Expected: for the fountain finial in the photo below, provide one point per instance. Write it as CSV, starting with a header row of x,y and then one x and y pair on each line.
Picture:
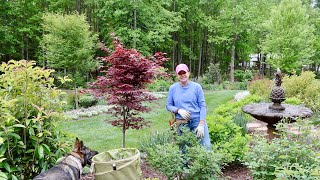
x,y
277,94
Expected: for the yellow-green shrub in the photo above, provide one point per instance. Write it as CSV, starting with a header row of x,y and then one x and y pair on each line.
x,y
261,87
295,86
304,87
312,95
293,100
225,134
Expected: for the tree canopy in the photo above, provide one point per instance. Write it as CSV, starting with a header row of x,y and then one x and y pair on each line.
x,y
198,33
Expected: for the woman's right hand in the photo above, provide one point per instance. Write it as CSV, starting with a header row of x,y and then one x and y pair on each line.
x,y
184,114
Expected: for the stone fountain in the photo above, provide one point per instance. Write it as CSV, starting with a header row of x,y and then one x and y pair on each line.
x,y
272,113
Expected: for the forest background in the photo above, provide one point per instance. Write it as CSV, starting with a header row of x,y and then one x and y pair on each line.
x,y
225,33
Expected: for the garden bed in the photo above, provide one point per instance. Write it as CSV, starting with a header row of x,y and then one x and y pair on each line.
x,y
231,172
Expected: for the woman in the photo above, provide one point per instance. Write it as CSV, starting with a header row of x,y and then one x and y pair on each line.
x,y
186,100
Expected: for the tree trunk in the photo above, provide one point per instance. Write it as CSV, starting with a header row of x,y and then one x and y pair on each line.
x,y
200,55
232,60
27,49
123,136
124,127
76,96
22,47
134,23
190,49
174,40
43,60
79,6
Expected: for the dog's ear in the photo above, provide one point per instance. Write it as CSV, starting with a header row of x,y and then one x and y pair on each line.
x,y
77,142
77,146
81,144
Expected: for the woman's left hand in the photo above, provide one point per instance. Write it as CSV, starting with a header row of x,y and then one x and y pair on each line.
x,y
200,131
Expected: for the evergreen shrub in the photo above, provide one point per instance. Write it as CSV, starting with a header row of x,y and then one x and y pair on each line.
x,y
213,74
30,141
87,100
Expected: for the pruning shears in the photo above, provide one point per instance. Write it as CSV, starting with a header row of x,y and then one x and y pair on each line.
x,y
172,121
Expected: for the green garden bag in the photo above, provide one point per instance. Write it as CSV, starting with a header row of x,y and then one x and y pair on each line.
x,y
121,163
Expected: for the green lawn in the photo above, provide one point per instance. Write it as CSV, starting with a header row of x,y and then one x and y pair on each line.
x,y
100,135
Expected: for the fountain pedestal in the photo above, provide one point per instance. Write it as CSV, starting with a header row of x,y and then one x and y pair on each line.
x,y
262,112
272,113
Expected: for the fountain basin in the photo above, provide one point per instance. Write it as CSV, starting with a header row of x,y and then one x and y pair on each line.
x,y
262,112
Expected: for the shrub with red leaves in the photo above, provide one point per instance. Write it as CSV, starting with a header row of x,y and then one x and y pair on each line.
x,y
127,73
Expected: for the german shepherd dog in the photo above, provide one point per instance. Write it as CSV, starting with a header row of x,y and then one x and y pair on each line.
x,y
70,167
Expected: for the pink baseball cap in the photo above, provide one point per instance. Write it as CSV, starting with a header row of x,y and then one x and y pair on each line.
x,y
182,67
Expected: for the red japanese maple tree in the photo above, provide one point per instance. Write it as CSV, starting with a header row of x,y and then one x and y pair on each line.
x,y
127,73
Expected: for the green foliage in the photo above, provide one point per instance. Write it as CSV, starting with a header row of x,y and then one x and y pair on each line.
x,y
195,162
241,120
230,108
227,137
159,85
167,158
293,100
68,99
212,87
291,156
289,40
69,45
296,85
20,29
202,164
203,80
87,100
227,85
261,87
227,132
153,27
214,74
155,138
304,87
243,75
30,106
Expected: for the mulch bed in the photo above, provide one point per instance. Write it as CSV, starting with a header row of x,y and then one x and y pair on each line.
x,y
231,172
236,172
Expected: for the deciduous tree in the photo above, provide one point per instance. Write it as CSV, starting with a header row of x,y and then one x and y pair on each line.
x,y
126,75
290,38
69,46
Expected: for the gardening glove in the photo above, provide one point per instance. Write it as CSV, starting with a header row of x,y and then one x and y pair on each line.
x,y
200,130
184,114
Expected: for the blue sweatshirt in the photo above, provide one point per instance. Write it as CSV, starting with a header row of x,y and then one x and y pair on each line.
x,y
190,98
